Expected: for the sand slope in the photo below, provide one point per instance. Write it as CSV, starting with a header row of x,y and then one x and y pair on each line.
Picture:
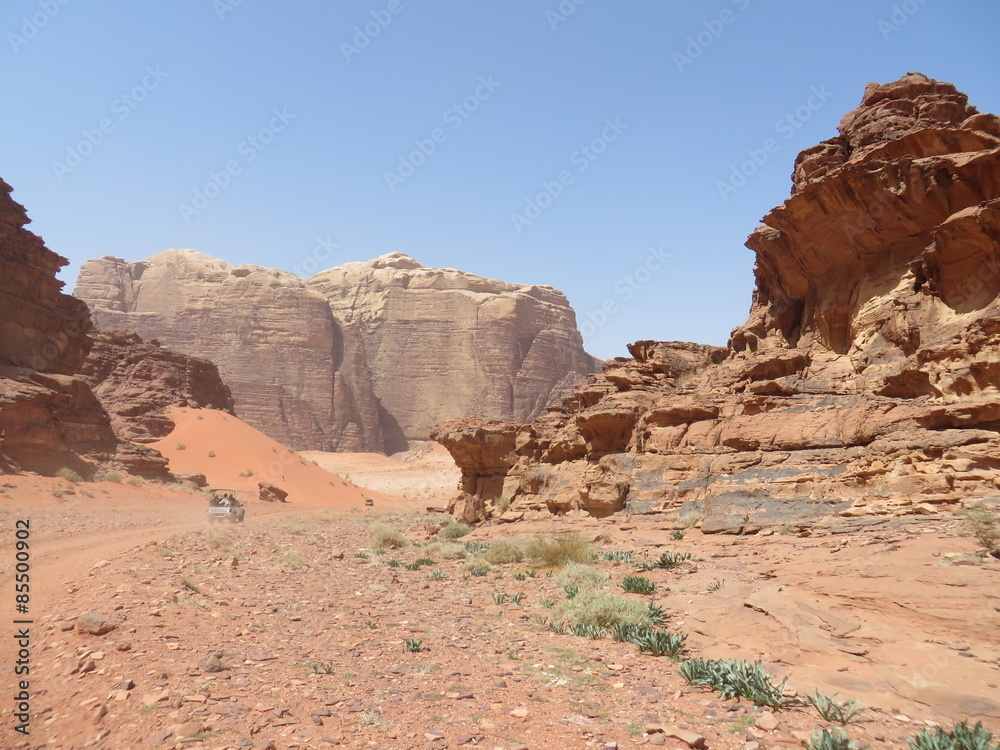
x,y
233,454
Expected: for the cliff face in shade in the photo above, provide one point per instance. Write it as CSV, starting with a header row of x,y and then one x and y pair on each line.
x,y
138,380
361,357
865,380
49,417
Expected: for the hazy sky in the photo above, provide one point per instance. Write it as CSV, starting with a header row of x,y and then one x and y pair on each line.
x,y
585,144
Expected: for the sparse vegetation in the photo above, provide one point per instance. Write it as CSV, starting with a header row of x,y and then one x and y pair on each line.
x,y
559,551
500,598
436,575
454,530
716,585
68,473
735,679
830,739
191,585
691,518
623,556
983,523
677,534
211,454
246,473
134,481
414,645
658,642
504,552
831,710
293,559
446,551
181,447
108,476
961,737
667,561
323,667
638,585
579,576
595,607
386,537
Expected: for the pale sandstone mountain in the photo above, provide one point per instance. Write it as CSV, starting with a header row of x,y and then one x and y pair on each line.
x,y
866,380
365,356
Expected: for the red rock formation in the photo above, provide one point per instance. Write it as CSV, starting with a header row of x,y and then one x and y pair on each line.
x,y
138,380
49,417
866,378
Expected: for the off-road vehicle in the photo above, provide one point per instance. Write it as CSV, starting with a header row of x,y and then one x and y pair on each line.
x,y
223,506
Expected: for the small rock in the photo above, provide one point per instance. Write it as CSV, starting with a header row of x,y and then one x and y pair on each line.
x,y
751,745
87,665
190,727
212,664
96,623
123,684
656,739
520,712
337,554
433,736
767,721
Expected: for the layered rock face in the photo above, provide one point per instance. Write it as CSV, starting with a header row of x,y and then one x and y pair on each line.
x,y
49,417
138,380
865,380
363,357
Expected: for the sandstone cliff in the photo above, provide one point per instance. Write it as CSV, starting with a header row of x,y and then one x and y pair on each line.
x,y
865,380
138,380
49,417
365,356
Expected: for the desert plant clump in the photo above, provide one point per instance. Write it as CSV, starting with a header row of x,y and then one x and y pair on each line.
x,y
68,473
735,679
454,530
618,555
657,614
436,575
446,551
961,737
475,548
585,630
580,576
667,561
559,551
108,476
414,645
638,585
833,711
831,739
504,552
386,537
602,608
691,518
983,523
659,642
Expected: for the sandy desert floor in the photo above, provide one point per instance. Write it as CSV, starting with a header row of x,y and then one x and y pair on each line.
x,y
291,630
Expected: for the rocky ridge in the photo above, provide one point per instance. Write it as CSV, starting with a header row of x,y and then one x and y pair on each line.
x,y
49,417
865,380
138,380
362,357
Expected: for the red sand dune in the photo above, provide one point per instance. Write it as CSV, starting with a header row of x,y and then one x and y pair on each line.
x,y
231,453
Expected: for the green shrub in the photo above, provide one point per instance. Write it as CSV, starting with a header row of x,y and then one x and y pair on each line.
x,y
580,576
830,739
638,585
588,631
386,537
503,552
735,679
475,548
436,575
595,607
558,551
667,561
831,710
961,737
658,642
454,530
67,473
108,476
618,555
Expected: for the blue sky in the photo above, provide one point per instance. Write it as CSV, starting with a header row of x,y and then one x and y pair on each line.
x,y
579,143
